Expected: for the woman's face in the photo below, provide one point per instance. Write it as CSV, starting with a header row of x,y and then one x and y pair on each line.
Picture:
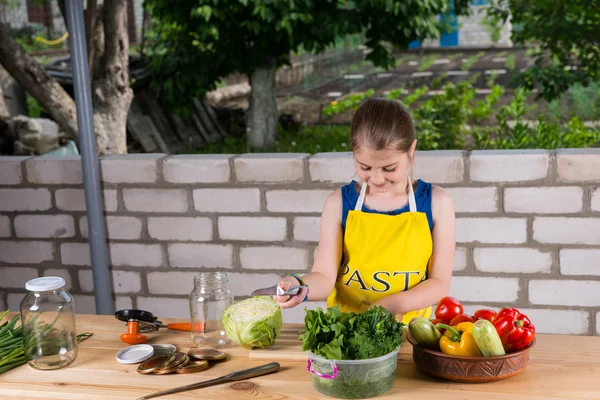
x,y
383,170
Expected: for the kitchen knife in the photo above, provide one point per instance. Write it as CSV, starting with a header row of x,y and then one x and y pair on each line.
x,y
277,291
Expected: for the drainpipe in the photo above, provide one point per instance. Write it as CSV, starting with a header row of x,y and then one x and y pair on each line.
x,y
89,159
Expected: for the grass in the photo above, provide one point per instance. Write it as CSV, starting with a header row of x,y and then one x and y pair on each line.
x,y
472,60
427,62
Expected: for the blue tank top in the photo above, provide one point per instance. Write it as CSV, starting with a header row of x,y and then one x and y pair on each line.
x,y
422,198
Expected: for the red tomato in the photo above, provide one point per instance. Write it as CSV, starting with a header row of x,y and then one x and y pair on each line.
x,y
438,321
461,318
485,313
448,308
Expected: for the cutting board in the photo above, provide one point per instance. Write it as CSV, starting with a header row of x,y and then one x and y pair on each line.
x,y
287,347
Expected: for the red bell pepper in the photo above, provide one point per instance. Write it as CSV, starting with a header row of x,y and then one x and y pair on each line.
x,y
515,329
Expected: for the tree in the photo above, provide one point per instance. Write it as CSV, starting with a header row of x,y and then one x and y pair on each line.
x,y
196,43
111,93
567,35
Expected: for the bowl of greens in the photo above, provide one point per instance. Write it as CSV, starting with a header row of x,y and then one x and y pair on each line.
x,y
352,355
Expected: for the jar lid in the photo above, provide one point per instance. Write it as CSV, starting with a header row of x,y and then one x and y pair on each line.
x,y
44,284
135,354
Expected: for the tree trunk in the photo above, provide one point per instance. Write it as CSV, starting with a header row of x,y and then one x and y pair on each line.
x,y
4,114
112,94
37,82
262,118
89,17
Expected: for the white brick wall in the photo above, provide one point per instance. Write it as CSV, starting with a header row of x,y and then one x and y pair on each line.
x,y
140,168
543,200
496,290
508,166
54,170
75,254
584,262
274,258
25,252
512,260
198,229
596,200
566,230
155,200
296,201
491,230
473,200
439,167
74,199
307,228
44,226
460,259
213,168
578,166
332,167
123,281
565,292
166,307
25,199
252,228
11,170
270,168
136,255
227,200
191,255
4,226
127,228
16,277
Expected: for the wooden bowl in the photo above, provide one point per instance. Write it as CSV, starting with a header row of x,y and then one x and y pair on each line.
x,y
469,369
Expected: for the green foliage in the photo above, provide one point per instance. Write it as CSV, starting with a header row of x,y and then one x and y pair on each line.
x,y
511,62
493,25
350,102
472,60
427,62
566,33
338,335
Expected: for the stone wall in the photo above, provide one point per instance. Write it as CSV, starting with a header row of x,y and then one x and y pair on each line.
x,y
528,226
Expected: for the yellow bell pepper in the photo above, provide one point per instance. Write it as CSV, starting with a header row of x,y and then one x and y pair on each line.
x,y
458,340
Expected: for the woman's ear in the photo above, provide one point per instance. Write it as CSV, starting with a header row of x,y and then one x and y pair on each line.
x,y
413,147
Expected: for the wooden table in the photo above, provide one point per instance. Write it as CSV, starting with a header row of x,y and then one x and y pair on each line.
x,y
560,367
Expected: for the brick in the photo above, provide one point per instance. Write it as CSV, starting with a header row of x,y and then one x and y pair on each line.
x,y
509,165
117,227
296,201
332,167
191,255
596,200
439,166
141,168
242,284
585,262
75,254
252,228
460,259
123,281
543,200
4,226
274,258
485,289
512,260
491,230
25,199
572,230
473,200
270,168
296,315
84,304
123,302
209,168
155,200
181,228
136,255
562,322
565,292
3,305
582,165
44,226
227,200
307,228
11,170
54,170
13,301
166,307
16,277
63,273
74,199
173,282
25,252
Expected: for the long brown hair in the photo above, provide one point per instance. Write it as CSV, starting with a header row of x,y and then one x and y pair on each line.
x,y
382,124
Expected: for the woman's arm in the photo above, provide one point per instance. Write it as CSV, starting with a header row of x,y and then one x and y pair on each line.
x,y
325,268
436,286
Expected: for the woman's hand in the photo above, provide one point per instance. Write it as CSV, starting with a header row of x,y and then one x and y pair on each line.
x,y
290,301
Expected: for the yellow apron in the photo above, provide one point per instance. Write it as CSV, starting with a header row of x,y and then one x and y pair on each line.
x,y
383,254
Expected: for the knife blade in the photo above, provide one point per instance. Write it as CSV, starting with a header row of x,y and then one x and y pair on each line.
x,y
277,291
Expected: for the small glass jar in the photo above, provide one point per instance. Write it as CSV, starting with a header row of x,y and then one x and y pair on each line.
x,y
209,298
48,318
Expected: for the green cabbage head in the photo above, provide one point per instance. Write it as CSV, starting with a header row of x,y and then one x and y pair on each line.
x,y
254,322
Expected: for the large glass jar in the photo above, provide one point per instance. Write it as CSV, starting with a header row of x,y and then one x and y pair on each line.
x,y
209,298
48,318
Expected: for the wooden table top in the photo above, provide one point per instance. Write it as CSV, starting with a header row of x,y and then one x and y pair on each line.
x,y
560,367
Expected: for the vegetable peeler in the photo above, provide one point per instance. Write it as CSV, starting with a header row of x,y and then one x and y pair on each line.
x,y
277,291
140,321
